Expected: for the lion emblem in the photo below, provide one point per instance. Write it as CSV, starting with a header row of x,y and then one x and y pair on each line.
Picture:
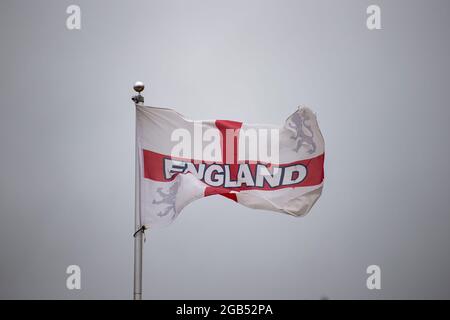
x,y
304,135
168,198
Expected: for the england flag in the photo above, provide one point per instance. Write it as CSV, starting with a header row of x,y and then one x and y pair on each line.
x,y
276,168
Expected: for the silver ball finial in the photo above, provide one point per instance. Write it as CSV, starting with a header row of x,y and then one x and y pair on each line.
x,y
139,86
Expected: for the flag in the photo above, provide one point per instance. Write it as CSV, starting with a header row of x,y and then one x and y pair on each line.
x,y
269,167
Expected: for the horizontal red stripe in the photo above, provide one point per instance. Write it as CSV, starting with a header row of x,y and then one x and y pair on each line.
x,y
153,165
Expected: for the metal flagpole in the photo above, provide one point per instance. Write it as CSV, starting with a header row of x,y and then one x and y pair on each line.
x,y
138,236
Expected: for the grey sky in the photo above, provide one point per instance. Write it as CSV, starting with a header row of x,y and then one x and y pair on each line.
x,y
67,130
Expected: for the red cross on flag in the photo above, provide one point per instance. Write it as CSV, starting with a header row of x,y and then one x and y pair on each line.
x,y
276,168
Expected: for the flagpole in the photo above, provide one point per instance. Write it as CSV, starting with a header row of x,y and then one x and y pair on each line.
x,y
138,236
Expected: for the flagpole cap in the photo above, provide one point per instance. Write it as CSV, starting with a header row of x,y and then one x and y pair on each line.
x,y
138,86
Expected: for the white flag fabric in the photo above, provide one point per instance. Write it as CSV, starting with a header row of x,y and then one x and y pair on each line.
x,y
276,168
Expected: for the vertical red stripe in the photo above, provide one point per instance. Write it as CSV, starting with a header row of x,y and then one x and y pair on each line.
x,y
229,140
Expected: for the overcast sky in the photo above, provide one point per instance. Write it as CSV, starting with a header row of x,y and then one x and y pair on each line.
x,y
67,146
